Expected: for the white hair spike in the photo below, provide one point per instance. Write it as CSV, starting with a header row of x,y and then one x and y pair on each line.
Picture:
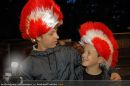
x,y
88,37
46,15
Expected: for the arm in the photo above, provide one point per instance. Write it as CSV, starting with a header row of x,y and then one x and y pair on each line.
x,y
77,66
114,75
113,72
25,69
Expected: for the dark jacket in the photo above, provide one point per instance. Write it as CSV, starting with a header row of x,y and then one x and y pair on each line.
x,y
59,63
104,75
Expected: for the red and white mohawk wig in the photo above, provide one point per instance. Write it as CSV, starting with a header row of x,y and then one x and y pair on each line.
x,y
101,37
38,17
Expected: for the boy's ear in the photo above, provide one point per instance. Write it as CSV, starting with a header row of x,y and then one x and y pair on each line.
x,y
101,60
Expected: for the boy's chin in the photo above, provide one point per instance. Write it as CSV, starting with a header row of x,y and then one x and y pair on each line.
x,y
83,64
53,46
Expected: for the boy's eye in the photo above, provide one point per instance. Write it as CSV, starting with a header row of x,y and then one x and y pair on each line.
x,y
51,34
56,28
89,52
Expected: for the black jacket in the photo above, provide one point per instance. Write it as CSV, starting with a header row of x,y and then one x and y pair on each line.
x,y
105,75
59,63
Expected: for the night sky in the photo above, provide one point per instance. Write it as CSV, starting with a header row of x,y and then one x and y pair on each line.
x,y
114,13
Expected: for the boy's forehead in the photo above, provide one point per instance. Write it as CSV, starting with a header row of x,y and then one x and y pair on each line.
x,y
89,47
51,30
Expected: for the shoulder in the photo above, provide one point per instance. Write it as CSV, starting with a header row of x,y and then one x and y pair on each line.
x,y
28,61
67,49
68,52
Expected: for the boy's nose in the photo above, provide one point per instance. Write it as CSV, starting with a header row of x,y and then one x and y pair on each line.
x,y
57,36
83,55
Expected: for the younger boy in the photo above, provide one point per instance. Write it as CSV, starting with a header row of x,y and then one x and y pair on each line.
x,y
100,49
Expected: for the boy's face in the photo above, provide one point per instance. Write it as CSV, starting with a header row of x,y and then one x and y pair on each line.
x,y
49,39
90,56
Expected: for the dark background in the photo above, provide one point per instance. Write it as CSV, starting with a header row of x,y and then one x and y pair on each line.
x,y
114,13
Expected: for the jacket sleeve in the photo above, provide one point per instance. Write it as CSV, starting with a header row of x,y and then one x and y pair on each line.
x,y
26,69
112,70
78,70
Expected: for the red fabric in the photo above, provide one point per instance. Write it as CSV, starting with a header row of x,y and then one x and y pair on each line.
x,y
101,45
102,48
30,6
37,28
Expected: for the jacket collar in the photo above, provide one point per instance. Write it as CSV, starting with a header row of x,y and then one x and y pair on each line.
x,y
34,52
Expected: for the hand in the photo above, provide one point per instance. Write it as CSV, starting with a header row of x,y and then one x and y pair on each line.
x,y
115,76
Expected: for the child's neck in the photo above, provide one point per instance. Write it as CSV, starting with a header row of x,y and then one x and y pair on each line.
x,y
93,70
41,48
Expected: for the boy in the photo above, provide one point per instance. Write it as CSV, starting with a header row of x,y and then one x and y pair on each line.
x,y
47,61
100,48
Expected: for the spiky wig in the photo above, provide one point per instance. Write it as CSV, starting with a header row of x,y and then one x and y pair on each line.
x,y
38,17
101,37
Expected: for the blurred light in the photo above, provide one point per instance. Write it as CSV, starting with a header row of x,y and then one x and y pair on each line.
x,y
14,64
7,76
129,27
